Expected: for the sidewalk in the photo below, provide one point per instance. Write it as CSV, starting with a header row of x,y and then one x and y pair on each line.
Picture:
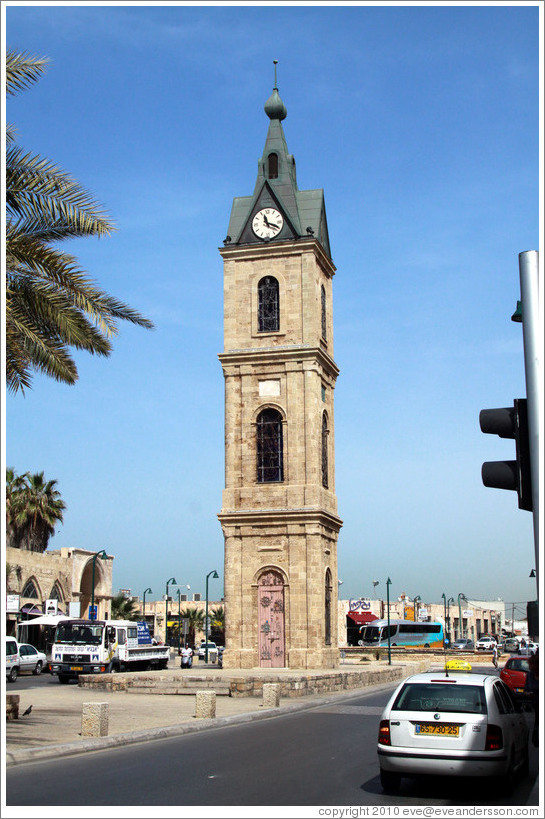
x,y
53,728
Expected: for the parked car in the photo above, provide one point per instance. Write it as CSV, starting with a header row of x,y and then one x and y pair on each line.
x,y
511,645
514,673
31,659
455,725
485,644
212,651
12,659
463,644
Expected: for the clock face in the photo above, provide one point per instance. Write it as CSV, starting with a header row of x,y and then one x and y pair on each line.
x,y
267,223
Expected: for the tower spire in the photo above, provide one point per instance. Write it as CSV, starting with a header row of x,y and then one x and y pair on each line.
x,y
274,107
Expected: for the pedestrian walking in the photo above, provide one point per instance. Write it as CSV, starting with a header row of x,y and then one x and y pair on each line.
x,y
495,654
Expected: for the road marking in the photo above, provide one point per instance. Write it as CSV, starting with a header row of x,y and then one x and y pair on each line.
x,y
369,710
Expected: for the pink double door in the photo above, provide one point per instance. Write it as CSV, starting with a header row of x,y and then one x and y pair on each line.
x,y
270,604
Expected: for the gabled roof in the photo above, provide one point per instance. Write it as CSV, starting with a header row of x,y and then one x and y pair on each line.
x,y
303,211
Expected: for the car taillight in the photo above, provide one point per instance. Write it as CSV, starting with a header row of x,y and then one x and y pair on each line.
x,y
494,738
384,732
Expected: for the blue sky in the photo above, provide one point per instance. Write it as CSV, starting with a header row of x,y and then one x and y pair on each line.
x,y
421,124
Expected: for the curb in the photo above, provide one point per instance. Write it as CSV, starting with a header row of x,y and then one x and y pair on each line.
x,y
13,758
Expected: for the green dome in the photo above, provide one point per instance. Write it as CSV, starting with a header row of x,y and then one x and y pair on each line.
x,y
274,107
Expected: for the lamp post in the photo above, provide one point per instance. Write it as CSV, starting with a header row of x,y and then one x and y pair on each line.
x,y
179,615
214,574
445,610
461,596
414,605
449,601
388,582
171,582
104,556
144,601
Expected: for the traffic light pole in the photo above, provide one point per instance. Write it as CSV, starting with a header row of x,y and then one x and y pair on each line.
x,y
529,292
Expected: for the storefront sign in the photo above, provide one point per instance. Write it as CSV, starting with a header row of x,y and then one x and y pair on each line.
x,y
12,603
51,607
362,604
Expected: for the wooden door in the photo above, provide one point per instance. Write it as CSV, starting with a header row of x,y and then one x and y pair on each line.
x,y
270,605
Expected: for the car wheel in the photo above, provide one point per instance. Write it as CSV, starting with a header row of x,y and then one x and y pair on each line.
x,y
64,679
426,645
390,781
12,676
38,669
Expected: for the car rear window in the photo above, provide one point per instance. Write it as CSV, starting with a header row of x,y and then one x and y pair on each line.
x,y
518,665
468,699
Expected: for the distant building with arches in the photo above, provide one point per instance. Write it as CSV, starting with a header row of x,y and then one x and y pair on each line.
x,y
63,576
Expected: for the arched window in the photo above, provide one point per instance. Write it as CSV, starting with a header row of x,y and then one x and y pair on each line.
x,y
272,171
324,315
270,456
56,593
268,310
325,460
30,590
327,624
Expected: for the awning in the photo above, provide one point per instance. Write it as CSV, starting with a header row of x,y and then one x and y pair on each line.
x,y
45,620
31,608
361,617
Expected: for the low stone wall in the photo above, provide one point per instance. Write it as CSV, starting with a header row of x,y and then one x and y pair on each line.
x,y
12,706
292,684
333,682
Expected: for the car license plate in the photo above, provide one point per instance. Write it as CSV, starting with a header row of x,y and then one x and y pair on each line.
x,y
427,728
76,668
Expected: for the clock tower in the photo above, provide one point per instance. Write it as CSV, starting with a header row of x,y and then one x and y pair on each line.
x,y
279,510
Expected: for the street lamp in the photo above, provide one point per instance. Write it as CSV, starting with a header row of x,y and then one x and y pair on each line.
x,y
171,582
179,615
461,596
388,582
144,602
214,575
414,605
104,556
449,601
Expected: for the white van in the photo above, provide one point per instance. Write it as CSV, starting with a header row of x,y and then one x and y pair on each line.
x,y
13,661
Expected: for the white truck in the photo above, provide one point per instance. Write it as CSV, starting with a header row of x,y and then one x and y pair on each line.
x,y
104,646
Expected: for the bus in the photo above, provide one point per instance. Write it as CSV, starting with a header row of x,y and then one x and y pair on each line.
x,y
402,633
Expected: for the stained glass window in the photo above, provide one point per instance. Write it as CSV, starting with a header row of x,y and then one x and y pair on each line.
x,y
268,317
270,456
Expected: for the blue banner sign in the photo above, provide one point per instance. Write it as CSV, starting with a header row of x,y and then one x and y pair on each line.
x,y
144,637
93,612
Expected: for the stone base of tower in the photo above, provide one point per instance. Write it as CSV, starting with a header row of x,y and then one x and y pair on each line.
x,y
296,659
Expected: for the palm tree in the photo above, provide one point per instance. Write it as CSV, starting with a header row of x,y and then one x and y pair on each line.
x,y
33,510
124,608
196,622
51,304
217,624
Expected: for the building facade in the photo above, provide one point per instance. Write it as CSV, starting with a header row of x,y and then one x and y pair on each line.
x,y
279,509
64,576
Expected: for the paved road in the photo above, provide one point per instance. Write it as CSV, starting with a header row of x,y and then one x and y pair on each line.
x,y
324,756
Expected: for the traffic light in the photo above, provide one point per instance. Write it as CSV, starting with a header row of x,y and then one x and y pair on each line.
x,y
509,422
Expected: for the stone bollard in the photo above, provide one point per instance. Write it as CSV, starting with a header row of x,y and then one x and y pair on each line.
x,y
205,705
12,706
94,719
271,695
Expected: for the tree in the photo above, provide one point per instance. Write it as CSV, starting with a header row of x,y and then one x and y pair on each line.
x,y
217,624
51,305
33,508
124,608
196,622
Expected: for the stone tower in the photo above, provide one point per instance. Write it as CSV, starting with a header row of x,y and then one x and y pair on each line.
x,y
279,511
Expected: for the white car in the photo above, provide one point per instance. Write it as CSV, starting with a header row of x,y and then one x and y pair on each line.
x,y
30,659
453,725
12,659
212,651
485,644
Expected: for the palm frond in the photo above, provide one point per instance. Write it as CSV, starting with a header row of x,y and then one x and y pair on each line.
x,y
22,70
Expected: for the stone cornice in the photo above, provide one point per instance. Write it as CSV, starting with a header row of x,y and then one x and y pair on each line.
x,y
279,354
268,250
264,517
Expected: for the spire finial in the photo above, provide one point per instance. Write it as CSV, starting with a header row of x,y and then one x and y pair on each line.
x,y
274,107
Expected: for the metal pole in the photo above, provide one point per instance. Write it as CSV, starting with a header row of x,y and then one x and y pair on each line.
x,y
214,574
529,292
388,602
179,622
169,582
